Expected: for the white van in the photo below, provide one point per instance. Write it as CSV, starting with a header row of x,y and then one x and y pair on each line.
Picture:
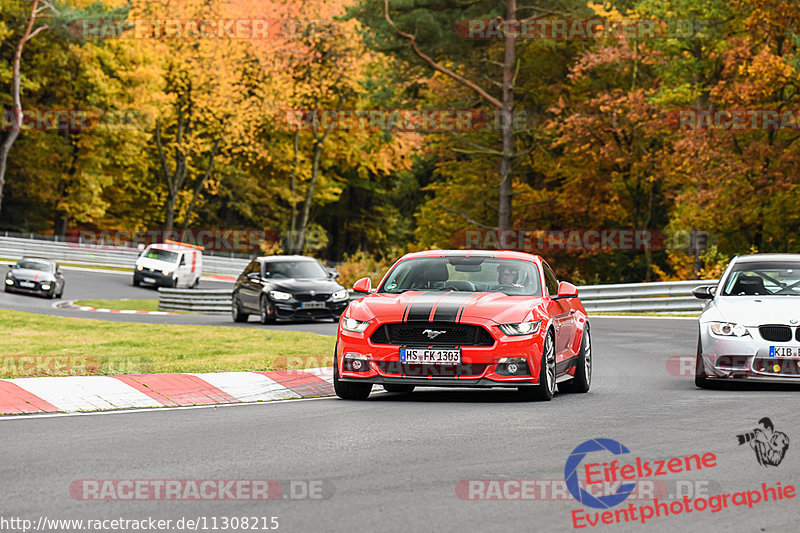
x,y
169,264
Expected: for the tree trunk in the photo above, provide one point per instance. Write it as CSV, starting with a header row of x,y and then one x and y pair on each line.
x,y
504,213
301,237
14,133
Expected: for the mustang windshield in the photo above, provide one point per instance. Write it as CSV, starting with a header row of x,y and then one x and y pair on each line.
x,y
763,279
474,274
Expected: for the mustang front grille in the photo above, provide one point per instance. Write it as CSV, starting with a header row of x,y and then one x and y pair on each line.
x,y
432,334
776,333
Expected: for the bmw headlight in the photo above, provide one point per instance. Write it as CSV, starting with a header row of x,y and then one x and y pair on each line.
x,y
728,329
278,295
339,295
356,326
523,328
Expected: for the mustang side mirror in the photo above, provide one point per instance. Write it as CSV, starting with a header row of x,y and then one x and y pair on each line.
x,y
706,292
566,290
363,285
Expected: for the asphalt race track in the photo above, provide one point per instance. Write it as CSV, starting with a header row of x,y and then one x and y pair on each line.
x,y
394,462
88,284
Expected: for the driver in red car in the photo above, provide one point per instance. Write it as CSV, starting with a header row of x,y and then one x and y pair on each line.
x,y
508,275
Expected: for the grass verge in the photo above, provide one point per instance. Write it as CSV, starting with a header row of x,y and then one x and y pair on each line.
x,y
121,305
40,345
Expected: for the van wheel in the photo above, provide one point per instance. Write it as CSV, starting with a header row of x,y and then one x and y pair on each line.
x,y
136,281
196,282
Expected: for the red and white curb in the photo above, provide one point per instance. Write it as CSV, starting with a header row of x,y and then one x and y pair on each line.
x,y
70,305
100,393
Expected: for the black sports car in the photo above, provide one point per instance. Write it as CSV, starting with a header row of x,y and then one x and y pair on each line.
x,y
287,287
33,275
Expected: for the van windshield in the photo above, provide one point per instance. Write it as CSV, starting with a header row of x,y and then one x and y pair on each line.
x,y
161,255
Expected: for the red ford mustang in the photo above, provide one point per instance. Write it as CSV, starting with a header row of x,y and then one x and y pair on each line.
x,y
465,318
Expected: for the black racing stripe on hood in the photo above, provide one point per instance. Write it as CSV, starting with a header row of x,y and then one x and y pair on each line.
x,y
449,306
407,310
421,307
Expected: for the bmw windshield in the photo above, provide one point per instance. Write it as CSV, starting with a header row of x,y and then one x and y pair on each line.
x,y
767,278
474,274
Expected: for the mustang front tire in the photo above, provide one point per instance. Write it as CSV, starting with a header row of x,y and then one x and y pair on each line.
x,y
546,387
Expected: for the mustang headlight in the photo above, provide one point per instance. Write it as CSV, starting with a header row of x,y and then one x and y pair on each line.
x,y
339,295
728,329
278,295
356,326
523,328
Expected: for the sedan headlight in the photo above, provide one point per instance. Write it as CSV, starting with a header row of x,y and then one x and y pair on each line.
x,y
356,326
339,295
523,328
728,329
278,295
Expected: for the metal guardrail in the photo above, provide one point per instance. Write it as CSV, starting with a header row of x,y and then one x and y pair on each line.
x,y
670,296
667,296
206,301
90,254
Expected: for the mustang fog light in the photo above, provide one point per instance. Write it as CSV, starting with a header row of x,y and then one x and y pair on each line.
x,y
45,287
728,329
355,362
9,281
513,366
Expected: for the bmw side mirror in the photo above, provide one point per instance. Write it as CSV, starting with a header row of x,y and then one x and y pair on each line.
x,y
706,292
363,285
566,290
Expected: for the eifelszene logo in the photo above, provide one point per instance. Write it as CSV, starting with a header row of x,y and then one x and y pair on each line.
x,y
770,445
571,474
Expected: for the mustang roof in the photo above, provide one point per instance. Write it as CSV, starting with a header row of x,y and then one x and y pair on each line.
x,y
499,254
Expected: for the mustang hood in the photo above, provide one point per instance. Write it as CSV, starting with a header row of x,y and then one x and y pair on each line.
x,y
755,310
31,275
439,306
